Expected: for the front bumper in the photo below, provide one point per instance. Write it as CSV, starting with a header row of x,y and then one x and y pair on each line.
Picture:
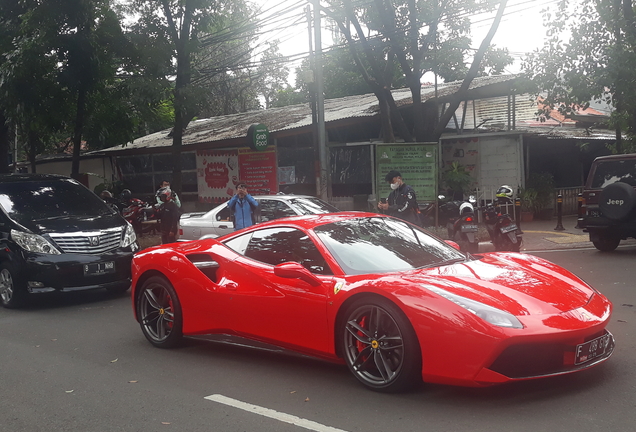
x,y
67,272
479,356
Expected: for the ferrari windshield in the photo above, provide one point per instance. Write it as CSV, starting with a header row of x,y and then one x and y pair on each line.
x,y
380,245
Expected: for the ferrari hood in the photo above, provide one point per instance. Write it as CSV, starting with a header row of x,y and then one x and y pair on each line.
x,y
519,284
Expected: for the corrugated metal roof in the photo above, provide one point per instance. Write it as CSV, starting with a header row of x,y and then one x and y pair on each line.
x,y
298,116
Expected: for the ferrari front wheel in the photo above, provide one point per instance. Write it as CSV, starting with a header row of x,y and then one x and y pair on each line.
x,y
379,346
159,313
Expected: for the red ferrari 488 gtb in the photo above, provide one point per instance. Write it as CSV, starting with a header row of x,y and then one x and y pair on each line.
x,y
393,302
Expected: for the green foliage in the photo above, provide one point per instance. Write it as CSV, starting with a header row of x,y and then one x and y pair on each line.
x,y
590,54
539,192
528,198
457,179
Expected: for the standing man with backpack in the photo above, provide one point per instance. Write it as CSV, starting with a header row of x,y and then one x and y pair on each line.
x,y
243,206
402,202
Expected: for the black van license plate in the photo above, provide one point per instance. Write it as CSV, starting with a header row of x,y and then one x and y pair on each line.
x,y
99,268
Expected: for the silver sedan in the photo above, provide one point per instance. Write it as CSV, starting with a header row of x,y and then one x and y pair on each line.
x,y
218,221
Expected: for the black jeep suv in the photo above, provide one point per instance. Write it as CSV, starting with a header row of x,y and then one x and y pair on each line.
x,y
608,212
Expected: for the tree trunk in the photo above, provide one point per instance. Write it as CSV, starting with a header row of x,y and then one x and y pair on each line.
x,y
77,135
472,74
181,115
5,145
32,152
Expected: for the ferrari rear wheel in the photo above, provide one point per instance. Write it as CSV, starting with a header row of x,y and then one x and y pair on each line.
x,y
159,312
380,346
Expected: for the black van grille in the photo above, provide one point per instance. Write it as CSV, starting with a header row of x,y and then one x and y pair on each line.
x,y
89,242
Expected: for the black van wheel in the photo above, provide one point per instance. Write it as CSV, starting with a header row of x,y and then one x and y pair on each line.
x,y
12,293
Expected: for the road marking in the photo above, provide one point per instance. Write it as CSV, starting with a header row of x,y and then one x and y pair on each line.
x,y
266,412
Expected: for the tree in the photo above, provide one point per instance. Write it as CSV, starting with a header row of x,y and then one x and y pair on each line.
x,y
193,28
590,54
61,59
341,75
271,74
419,36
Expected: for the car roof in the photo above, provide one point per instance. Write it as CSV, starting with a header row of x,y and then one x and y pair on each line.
x,y
616,157
23,177
283,196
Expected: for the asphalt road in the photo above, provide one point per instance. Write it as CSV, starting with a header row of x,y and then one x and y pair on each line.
x,y
80,363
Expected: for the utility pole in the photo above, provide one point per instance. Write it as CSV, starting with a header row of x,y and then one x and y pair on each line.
x,y
310,79
320,106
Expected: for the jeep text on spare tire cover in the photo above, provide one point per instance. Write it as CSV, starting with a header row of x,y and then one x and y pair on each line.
x,y
618,201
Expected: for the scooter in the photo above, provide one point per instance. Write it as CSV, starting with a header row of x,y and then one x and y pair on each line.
x,y
463,228
504,233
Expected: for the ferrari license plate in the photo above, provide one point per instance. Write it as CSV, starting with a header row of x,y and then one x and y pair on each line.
x,y
99,268
592,349
508,228
469,228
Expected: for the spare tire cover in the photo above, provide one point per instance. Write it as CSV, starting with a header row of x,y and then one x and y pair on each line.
x,y
617,201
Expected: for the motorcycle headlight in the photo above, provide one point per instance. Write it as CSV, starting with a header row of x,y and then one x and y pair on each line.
x,y
33,243
129,237
487,313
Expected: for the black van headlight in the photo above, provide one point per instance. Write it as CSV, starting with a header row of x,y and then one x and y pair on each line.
x,y
33,243
129,236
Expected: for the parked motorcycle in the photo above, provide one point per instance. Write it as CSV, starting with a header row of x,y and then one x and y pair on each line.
x,y
504,233
462,227
137,212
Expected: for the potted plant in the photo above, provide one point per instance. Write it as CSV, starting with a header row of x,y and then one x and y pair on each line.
x,y
528,198
543,184
457,180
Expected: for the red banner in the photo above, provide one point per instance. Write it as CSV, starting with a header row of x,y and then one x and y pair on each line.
x,y
258,170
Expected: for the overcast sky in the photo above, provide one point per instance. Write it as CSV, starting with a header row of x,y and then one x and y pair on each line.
x,y
521,30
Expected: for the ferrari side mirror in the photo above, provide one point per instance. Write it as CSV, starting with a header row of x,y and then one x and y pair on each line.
x,y
294,270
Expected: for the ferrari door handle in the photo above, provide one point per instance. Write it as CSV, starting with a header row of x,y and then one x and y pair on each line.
x,y
231,286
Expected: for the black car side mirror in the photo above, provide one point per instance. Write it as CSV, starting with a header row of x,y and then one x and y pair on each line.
x,y
294,270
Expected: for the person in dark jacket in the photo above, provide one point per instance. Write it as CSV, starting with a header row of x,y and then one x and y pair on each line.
x,y
401,202
242,205
170,214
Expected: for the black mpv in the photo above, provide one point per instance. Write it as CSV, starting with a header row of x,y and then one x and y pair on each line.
x,y
57,235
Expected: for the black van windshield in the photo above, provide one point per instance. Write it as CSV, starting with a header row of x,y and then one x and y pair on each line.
x,y
47,199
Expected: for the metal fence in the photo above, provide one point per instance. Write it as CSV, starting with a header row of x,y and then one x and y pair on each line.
x,y
570,199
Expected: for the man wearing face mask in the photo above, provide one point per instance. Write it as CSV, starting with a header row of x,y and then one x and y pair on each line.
x,y
401,202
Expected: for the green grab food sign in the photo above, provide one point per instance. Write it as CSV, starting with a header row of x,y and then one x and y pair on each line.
x,y
258,137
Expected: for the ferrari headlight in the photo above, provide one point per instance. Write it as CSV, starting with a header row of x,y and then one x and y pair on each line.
x,y
129,236
33,243
487,313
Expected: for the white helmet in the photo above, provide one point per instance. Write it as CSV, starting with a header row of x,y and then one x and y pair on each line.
x,y
505,191
466,208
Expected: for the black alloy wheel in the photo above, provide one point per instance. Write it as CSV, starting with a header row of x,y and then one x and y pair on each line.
x,y
159,313
12,294
380,346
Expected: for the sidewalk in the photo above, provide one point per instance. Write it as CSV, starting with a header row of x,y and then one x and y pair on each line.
x,y
541,235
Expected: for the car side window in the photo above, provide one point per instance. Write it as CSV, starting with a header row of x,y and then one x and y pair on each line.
x,y
268,207
283,209
239,244
278,245
223,215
